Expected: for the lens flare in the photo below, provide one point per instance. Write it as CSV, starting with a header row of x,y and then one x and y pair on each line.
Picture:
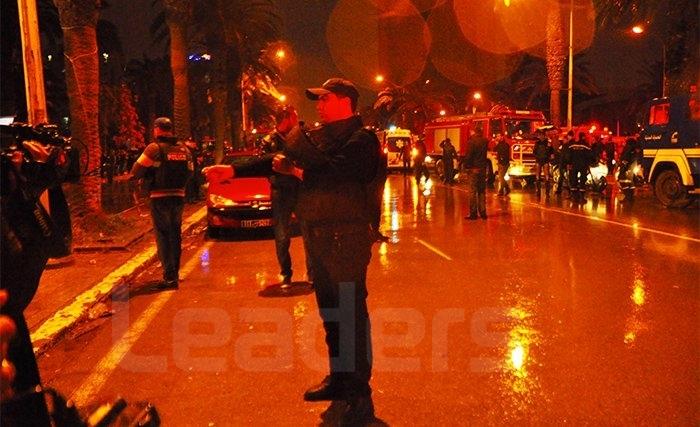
x,y
458,59
369,35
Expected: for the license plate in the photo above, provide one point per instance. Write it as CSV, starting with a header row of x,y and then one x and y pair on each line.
x,y
255,223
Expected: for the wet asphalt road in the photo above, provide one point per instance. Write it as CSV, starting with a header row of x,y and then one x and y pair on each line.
x,y
545,313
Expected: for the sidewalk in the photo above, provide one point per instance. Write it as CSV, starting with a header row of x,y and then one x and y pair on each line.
x,y
99,264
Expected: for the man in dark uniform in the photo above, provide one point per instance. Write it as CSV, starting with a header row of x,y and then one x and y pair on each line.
x,y
170,166
336,167
562,154
579,156
610,155
542,152
503,156
419,168
631,152
448,155
476,163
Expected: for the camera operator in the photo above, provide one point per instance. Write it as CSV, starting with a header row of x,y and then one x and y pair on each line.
x,y
30,236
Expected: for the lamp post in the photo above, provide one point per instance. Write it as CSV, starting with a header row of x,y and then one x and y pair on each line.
x,y
639,29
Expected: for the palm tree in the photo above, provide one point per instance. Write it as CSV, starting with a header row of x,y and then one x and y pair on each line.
x,y
79,23
248,26
555,47
411,106
177,17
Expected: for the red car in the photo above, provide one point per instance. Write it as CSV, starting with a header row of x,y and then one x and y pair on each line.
x,y
239,203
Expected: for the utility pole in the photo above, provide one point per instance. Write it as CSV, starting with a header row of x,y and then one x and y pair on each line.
x,y
33,70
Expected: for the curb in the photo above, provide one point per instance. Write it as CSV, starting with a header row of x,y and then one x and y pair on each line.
x,y
63,320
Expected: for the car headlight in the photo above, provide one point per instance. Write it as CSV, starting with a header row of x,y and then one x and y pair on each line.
x,y
428,159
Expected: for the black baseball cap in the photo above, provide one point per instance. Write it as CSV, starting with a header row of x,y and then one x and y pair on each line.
x,y
163,123
336,85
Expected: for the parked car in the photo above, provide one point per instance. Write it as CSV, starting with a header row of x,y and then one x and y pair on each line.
x,y
239,203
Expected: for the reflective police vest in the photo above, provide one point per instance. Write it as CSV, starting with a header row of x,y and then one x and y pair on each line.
x,y
173,170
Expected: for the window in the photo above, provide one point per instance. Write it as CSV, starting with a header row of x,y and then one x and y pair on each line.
x,y
658,114
495,127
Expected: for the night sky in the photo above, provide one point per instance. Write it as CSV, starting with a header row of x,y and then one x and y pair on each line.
x,y
615,58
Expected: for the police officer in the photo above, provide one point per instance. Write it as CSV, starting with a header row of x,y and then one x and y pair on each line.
x,y
543,152
168,164
579,157
335,167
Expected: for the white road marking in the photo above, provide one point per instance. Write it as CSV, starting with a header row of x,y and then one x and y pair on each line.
x,y
635,227
434,249
65,317
97,379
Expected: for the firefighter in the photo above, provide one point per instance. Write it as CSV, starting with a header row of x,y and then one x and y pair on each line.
x,y
579,158
630,153
503,153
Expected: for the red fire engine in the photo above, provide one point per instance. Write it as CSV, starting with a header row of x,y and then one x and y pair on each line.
x,y
517,126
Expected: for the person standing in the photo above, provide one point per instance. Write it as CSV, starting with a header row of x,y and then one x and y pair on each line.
x,y
169,164
285,190
419,168
503,156
542,152
563,156
336,164
579,156
448,155
610,155
476,163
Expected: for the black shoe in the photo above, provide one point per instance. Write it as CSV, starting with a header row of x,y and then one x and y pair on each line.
x,y
329,389
286,283
483,216
167,284
360,411
471,217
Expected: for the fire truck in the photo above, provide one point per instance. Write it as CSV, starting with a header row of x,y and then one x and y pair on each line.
x,y
671,145
517,126
397,144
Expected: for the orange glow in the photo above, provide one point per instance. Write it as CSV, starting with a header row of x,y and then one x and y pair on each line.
x,y
280,54
443,112
477,95
282,98
379,78
637,29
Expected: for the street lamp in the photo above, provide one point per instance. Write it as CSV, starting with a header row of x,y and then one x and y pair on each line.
x,y
476,98
639,29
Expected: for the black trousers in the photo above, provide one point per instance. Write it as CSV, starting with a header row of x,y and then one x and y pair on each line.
x,y
166,213
339,257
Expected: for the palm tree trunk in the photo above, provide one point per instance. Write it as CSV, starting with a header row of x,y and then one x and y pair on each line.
x,y
178,64
83,83
556,55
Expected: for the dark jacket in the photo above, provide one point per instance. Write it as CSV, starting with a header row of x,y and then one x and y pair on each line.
x,y
503,152
542,150
335,185
579,156
475,156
